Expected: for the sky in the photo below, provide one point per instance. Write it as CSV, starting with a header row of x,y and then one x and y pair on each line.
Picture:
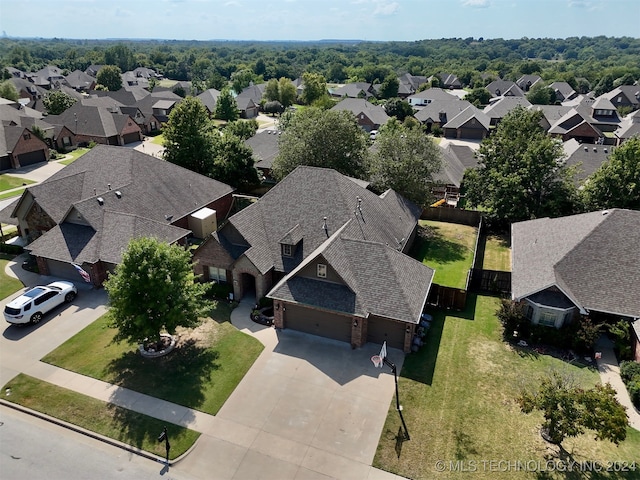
x,y
372,20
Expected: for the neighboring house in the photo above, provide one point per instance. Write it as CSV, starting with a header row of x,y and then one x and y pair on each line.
x,y
156,114
409,84
147,73
369,116
354,90
93,70
600,113
130,79
47,77
576,125
98,124
563,91
87,213
209,99
80,81
497,110
246,106
581,264
16,73
439,112
504,88
551,114
264,146
253,92
587,158
31,95
447,81
525,82
471,123
330,253
635,329
624,96
20,147
456,159
629,127
429,95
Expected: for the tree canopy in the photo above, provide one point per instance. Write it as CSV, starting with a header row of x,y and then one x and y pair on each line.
x,y
226,107
405,160
57,102
521,174
109,77
188,136
570,410
616,184
315,87
322,138
154,290
233,162
8,91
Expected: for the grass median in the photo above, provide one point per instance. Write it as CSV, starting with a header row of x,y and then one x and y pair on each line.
x,y
459,401
126,426
200,373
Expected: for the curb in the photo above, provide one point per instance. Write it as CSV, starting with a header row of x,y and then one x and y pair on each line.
x,y
97,436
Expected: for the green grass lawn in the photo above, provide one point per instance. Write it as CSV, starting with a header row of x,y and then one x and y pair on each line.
x,y
200,374
447,248
497,253
459,401
8,182
75,154
12,193
8,285
158,139
114,422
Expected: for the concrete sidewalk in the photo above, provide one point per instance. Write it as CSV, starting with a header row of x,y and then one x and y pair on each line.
x,y
610,373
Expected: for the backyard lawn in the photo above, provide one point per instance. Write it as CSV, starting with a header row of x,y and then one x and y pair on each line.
x,y
447,248
136,429
458,395
497,253
200,374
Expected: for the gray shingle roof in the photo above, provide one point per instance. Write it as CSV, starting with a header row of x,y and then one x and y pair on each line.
x,y
440,111
358,106
501,107
468,114
264,146
592,257
588,157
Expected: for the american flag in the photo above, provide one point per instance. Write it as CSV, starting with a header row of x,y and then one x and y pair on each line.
x,y
82,273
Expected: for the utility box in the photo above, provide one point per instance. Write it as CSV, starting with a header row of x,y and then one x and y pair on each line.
x,y
203,222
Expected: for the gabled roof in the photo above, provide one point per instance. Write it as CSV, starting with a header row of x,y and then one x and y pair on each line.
x,y
504,105
630,92
125,96
88,120
359,106
304,198
433,94
80,80
525,82
209,98
367,269
629,126
254,92
456,159
592,257
466,115
565,91
440,111
504,88
552,113
589,157
264,146
353,90
138,193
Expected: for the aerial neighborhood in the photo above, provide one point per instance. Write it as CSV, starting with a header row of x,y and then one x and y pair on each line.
x,y
473,231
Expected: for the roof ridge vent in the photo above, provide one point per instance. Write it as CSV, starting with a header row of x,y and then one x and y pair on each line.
x,y
605,212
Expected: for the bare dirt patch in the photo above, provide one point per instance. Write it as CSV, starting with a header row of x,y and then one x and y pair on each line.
x,y
204,335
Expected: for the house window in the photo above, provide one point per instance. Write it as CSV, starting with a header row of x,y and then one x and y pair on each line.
x,y
528,311
26,136
218,275
619,99
66,141
287,250
547,319
322,270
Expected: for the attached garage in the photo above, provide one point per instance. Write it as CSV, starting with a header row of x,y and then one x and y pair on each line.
x,y
63,270
131,137
30,158
5,163
381,330
316,322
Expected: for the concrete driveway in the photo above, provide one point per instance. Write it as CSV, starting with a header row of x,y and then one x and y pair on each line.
x,y
309,408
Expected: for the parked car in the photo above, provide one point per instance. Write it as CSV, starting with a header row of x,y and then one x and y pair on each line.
x,y
33,304
373,134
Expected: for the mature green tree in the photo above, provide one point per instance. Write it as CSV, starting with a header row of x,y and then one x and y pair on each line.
x,y
153,82
121,56
109,76
241,80
273,107
540,94
233,163
616,184
287,92
189,139
272,90
57,102
242,128
154,290
8,91
226,106
315,87
406,161
520,173
322,138
604,85
478,96
399,108
389,87
179,90
569,410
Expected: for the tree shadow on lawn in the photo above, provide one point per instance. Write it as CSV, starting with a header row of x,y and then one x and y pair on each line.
x,y
432,246
577,468
181,377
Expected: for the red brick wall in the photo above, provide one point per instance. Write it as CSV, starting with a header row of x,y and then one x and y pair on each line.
x,y
33,144
130,127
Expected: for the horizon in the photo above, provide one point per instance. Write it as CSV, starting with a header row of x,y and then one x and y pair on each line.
x,y
318,21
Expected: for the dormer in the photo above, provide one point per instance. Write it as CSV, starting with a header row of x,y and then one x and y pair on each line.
x,y
290,241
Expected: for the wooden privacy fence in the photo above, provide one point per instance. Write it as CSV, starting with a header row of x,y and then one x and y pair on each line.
x,y
452,215
490,281
447,297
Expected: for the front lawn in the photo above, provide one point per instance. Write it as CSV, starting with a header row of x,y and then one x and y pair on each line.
x,y
447,248
458,395
9,182
158,139
8,285
200,374
74,155
131,428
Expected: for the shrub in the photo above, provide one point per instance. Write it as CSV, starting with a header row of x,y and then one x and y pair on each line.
x,y
629,369
511,316
11,249
265,302
220,290
634,391
436,130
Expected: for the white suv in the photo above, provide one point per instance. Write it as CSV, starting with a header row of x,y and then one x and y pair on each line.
x,y
34,303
